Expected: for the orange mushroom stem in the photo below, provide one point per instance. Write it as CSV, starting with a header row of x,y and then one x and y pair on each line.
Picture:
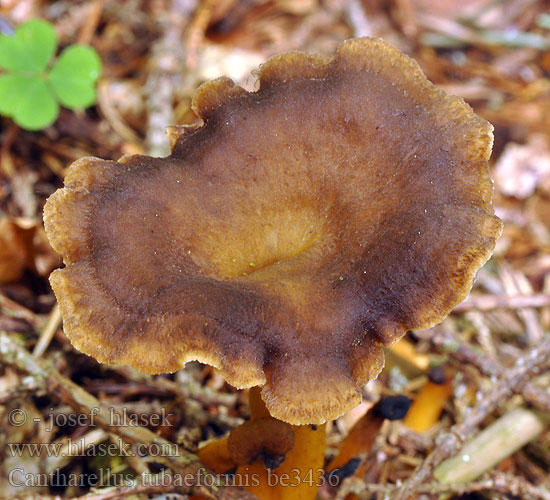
x,y
300,473
361,437
430,401
215,456
263,438
276,461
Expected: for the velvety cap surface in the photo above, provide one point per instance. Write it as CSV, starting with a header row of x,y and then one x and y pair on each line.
x,y
302,227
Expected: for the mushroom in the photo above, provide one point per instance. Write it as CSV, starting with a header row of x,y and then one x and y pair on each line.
x,y
301,228
265,437
272,459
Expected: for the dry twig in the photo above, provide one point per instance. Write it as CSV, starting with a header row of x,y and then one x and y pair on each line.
x,y
490,302
498,482
167,63
462,352
449,442
13,354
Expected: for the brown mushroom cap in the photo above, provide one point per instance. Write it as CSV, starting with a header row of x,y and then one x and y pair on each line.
x,y
302,227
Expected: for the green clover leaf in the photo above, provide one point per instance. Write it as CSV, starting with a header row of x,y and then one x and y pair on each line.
x,y
30,49
74,75
30,88
28,101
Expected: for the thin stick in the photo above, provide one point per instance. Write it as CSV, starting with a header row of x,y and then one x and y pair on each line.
x,y
120,492
54,321
449,442
12,353
495,443
92,20
166,65
448,342
490,302
196,30
76,448
16,310
498,482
